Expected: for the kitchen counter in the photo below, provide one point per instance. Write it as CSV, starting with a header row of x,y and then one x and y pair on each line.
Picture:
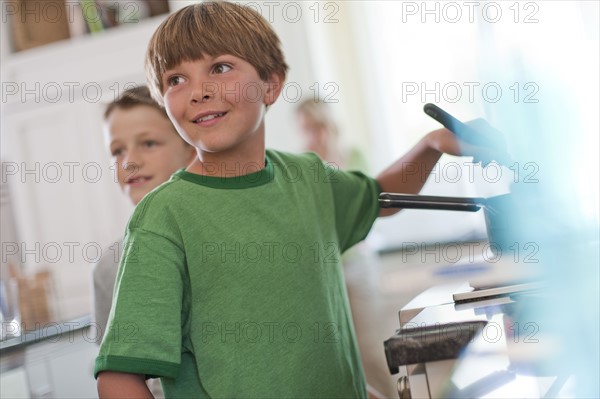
x,y
490,347
51,332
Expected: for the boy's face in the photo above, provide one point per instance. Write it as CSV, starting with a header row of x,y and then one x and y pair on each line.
x,y
146,149
315,133
218,104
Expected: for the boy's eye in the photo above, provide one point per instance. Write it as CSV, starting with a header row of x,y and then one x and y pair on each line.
x,y
116,152
221,68
150,143
174,80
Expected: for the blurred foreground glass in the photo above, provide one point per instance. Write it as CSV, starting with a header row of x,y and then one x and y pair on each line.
x,y
556,136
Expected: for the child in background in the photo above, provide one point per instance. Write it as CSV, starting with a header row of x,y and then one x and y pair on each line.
x,y
147,150
231,283
321,136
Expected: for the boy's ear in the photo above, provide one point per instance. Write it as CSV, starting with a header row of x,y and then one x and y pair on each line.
x,y
274,85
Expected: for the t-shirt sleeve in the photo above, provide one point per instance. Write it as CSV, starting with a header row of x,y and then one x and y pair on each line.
x,y
356,201
144,327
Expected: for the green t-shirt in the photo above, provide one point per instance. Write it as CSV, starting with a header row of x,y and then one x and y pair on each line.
x,y
233,287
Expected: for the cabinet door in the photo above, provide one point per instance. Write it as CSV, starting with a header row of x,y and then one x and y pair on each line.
x,y
71,371
66,202
61,366
13,384
67,206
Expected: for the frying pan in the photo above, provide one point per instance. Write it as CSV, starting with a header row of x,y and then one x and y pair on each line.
x,y
499,212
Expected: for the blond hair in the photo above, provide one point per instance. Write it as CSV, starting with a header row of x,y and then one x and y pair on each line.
x,y
318,111
132,97
213,28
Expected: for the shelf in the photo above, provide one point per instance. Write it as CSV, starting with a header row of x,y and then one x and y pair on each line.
x,y
65,71
102,40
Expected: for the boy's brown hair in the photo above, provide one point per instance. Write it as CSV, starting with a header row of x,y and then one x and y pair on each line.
x,y
213,28
139,95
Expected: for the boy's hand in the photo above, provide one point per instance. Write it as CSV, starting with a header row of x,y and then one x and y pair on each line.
x,y
408,174
487,148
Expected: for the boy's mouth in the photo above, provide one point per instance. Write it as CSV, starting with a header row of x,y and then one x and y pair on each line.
x,y
207,117
134,181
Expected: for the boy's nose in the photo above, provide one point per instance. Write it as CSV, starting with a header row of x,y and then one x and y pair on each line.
x,y
132,162
204,92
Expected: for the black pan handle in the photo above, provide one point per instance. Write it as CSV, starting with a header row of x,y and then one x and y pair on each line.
x,y
408,201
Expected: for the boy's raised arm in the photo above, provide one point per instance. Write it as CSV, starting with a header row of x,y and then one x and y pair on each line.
x,y
113,384
409,174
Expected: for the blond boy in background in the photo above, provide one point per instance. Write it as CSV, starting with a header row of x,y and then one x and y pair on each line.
x,y
146,150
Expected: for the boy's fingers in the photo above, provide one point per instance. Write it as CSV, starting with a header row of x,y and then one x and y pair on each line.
x,y
494,150
484,155
488,134
484,127
479,124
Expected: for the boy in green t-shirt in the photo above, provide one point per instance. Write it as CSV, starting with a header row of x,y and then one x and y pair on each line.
x,y
230,284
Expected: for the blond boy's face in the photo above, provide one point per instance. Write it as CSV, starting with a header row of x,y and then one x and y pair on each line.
x,y
145,148
218,104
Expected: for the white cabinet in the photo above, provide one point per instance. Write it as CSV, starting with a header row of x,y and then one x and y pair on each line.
x,y
67,206
59,365
13,384
65,201
65,369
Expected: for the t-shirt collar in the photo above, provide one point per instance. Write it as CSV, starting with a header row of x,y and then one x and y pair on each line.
x,y
242,177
